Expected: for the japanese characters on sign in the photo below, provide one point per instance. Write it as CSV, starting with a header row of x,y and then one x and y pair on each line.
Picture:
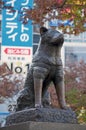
x,y
17,37
17,33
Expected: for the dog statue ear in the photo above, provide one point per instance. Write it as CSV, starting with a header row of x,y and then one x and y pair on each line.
x,y
43,30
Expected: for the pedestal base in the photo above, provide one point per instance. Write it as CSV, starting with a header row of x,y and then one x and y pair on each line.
x,y
44,126
42,115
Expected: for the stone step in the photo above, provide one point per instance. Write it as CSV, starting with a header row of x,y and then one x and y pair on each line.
x,y
44,126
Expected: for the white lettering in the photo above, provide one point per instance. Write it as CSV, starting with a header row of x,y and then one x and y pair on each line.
x,y
25,3
15,14
11,26
13,36
23,28
11,2
24,37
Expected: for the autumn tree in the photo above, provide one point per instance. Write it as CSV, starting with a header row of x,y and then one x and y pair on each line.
x,y
46,10
10,83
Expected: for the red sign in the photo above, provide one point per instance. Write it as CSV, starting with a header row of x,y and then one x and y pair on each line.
x,y
17,51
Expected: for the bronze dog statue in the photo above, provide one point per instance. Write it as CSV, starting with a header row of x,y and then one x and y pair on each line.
x,y
46,67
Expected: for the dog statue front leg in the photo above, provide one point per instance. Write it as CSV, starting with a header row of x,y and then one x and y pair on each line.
x,y
38,92
39,75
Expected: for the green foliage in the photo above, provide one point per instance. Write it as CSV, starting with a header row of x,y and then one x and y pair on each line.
x,y
71,97
75,98
75,80
81,115
77,101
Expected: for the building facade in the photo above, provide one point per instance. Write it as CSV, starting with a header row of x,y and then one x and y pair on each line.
x,y
73,50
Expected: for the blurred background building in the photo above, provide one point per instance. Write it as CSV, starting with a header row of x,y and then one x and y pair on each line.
x,y
74,48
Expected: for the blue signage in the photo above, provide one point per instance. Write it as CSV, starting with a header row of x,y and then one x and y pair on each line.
x,y
14,32
56,22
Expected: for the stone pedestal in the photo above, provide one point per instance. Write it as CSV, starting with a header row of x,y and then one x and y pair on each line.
x,y
43,119
42,115
44,126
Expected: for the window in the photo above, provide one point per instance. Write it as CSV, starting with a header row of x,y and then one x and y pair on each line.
x,y
79,38
74,54
36,38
